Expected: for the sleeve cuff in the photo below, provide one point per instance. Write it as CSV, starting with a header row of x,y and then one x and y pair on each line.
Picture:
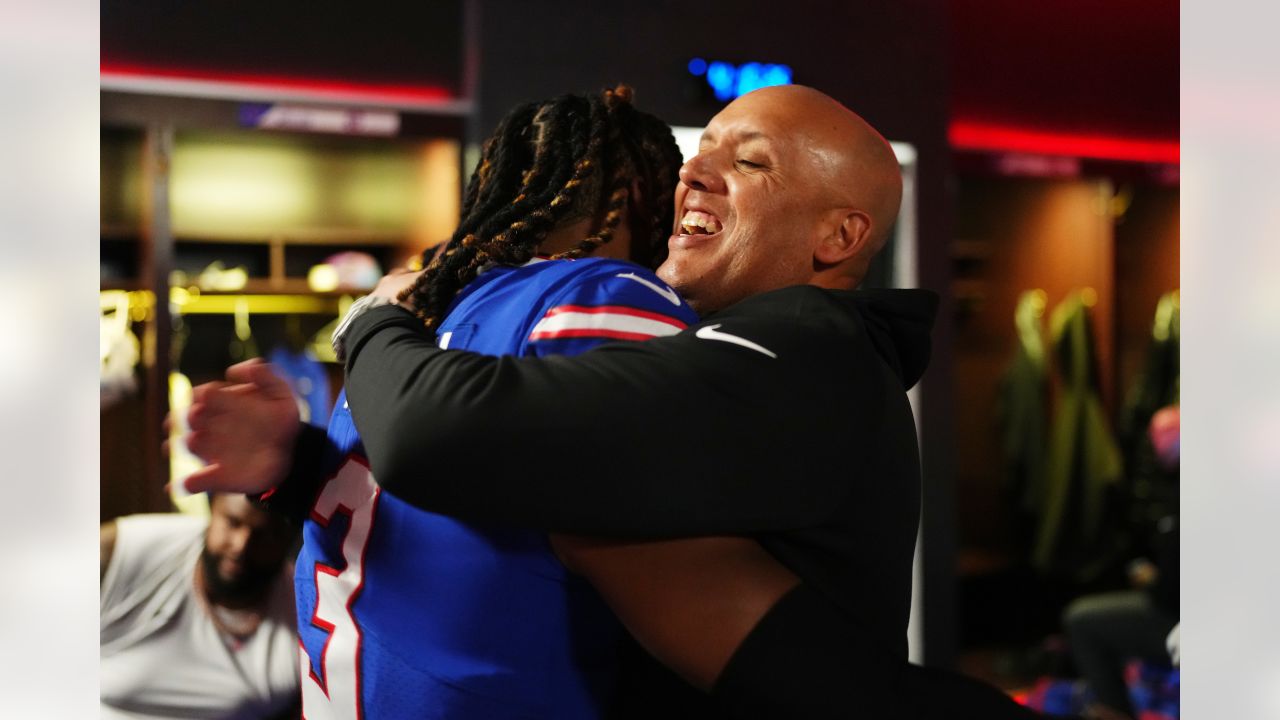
x,y
294,495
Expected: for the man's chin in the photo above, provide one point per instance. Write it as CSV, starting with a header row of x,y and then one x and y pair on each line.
x,y
231,579
227,580
676,271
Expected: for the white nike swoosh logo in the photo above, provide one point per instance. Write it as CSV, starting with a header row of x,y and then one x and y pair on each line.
x,y
665,292
709,332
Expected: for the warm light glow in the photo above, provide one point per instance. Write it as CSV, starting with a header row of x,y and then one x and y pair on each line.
x,y
440,192
966,135
322,278
257,305
250,184
226,186
379,190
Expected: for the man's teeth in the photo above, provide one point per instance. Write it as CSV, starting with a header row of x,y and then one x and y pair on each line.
x,y
696,223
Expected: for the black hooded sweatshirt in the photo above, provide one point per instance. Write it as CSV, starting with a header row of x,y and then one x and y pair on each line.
x,y
783,418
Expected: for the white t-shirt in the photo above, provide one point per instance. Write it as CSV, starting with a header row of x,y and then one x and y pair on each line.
x,y
162,656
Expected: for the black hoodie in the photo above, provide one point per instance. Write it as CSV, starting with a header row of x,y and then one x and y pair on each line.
x,y
783,417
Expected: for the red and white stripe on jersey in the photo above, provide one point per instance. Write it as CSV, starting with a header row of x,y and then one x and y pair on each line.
x,y
604,321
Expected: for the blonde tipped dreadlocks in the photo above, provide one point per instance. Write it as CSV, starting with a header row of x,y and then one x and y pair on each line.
x,y
547,163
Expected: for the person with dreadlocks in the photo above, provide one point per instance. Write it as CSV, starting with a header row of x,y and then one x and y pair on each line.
x,y
406,613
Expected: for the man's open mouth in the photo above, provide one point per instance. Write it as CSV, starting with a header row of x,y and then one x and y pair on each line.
x,y
696,222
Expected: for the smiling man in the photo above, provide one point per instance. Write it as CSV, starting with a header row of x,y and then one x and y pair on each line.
x,y
782,417
788,188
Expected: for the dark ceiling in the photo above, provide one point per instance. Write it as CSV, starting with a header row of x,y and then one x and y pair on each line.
x,y
1072,66
1090,67
411,44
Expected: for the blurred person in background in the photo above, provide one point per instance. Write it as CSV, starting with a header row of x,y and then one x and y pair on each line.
x,y
197,615
1108,630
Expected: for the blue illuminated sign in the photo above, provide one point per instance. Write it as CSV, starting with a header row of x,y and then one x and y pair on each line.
x,y
730,81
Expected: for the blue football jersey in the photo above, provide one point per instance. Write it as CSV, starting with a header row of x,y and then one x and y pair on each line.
x,y
405,613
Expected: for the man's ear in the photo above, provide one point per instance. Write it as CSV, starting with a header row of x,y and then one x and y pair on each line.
x,y
848,238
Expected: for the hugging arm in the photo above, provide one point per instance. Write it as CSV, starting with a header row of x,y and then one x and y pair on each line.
x,y
630,439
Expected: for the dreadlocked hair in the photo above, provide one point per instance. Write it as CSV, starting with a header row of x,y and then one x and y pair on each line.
x,y
573,157
654,147
621,173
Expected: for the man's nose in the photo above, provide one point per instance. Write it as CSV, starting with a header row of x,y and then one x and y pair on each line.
x,y
700,174
238,542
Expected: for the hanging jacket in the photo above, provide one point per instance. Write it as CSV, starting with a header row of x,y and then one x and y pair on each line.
x,y
1023,407
1083,458
1152,488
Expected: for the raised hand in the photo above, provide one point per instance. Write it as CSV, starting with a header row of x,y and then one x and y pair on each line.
x,y
244,429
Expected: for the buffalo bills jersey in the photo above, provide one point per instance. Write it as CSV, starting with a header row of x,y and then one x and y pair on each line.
x,y
406,613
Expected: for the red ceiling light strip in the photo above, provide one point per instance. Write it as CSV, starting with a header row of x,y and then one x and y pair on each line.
x,y
997,138
335,89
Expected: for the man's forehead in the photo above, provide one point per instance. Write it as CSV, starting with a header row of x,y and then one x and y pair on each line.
x,y
754,118
733,132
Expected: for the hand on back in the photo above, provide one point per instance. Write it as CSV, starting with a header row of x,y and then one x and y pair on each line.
x,y
394,283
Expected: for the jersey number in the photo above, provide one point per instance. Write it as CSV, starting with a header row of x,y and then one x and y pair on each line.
x,y
333,689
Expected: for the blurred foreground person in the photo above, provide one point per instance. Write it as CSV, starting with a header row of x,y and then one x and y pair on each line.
x,y
197,615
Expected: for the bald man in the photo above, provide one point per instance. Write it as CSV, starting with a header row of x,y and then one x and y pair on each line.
x,y
782,419
801,190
